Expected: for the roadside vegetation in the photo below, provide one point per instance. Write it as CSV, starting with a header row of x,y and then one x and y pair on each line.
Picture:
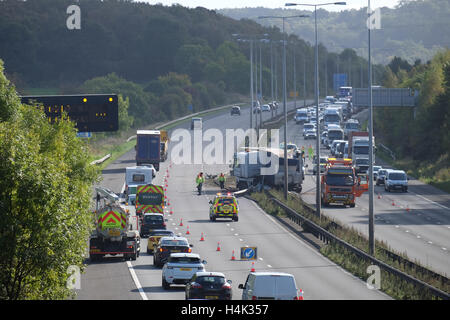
x,y
45,191
390,284
419,138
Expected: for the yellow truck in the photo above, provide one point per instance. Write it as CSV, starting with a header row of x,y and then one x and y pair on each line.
x,y
164,145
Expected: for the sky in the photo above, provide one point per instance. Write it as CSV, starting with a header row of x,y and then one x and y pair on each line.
x,y
221,4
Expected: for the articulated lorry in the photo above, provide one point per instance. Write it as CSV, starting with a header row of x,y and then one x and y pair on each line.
x,y
339,184
248,169
115,232
358,150
148,148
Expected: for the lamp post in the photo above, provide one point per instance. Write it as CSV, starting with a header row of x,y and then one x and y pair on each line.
x,y
284,97
316,91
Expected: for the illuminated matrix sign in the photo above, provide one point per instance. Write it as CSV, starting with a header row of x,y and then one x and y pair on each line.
x,y
92,113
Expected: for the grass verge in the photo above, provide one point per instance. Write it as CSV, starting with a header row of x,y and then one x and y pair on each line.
x,y
390,284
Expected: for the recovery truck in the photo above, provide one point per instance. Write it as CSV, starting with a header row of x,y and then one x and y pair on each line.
x,y
339,184
148,148
164,145
115,232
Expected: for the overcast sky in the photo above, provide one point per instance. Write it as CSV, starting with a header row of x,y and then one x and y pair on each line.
x,y
220,4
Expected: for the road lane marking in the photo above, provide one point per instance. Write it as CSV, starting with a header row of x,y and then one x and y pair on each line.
x,y
136,281
431,201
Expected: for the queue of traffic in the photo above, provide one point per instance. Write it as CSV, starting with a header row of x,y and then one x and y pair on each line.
x,y
172,252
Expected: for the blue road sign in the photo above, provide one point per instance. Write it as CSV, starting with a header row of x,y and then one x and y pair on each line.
x,y
248,253
84,134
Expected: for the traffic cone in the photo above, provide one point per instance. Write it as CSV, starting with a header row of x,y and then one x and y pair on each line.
x,y
232,256
181,223
218,246
393,203
187,232
300,295
407,208
379,197
202,238
171,212
253,267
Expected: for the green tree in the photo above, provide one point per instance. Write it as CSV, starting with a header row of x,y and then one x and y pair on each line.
x,y
45,191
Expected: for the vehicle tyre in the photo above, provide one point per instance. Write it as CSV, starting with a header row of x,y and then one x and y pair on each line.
x,y
148,251
165,284
134,256
236,218
352,205
213,218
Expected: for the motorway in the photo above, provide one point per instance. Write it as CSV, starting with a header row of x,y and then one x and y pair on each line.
x,y
278,248
416,223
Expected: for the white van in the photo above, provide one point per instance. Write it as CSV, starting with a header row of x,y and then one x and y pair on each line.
x,y
196,123
269,286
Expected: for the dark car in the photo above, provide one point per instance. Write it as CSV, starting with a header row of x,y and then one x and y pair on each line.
x,y
152,221
168,245
236,110
209,285
154,237
381,175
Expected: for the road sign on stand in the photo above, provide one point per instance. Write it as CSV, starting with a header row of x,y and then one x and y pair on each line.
x,y
249,253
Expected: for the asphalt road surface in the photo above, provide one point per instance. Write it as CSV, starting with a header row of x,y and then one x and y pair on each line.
x,y
278,248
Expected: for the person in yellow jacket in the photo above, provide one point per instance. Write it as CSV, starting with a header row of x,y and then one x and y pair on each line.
x,y
200,180
222,181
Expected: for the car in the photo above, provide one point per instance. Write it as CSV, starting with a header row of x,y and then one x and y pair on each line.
x,y
334,145
236,110
381,175
154,237
180,268
270,285
323,137
301,116
224,206
323,163
152,221
396,180
209,286
275,105
375,172
265,108
257,109
310,134
168,245
308,126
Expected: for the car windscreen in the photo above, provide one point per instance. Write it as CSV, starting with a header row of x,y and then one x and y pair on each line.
x,y
226,201
153,219
210,280
150,198
174,243
161,233
352,126
184,260
362,161
397,176
335,134
332,118
361,149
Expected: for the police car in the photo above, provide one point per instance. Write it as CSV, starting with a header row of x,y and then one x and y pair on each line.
x,y
224,206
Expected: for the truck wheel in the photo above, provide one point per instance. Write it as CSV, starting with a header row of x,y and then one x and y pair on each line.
x,y
236,218
352,205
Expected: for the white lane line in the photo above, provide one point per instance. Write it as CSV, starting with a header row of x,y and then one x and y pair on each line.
x,y
269,266
136,281
435,203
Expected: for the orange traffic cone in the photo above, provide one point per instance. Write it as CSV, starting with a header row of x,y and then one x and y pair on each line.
x,y
171,212
218,246
407,208
181,223
232,256
253,267
379,197
202,238
300,294
393,203
187,232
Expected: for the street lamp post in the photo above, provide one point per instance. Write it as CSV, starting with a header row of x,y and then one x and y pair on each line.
x,y
284,98
316,91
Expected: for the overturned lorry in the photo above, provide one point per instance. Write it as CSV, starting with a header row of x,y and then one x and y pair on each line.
x,y
265,166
